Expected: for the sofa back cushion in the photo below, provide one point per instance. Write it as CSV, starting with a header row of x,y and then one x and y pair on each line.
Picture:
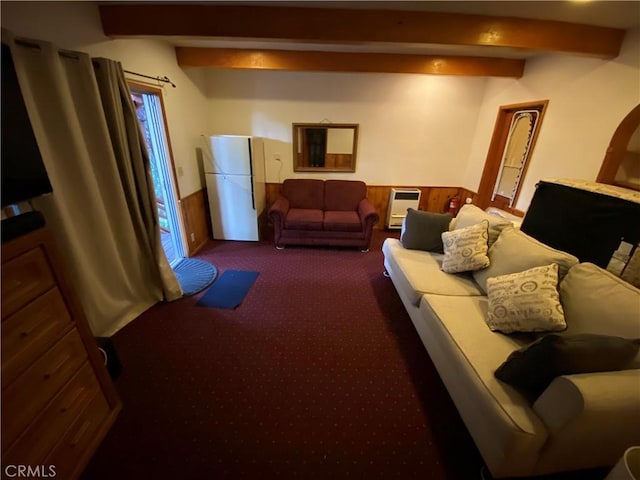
x,y
471,215
343,195
304,193
515,251
596,301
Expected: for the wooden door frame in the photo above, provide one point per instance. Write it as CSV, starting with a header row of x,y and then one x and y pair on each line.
x,y
618,147
135,87
496,150
150,89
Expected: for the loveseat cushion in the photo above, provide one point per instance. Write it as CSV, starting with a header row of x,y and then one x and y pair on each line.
x,y
304,193
596,301
342,221
417,272
515,251
343,195
304,219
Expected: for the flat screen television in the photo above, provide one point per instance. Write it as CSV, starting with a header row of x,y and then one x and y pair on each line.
x,y
22,174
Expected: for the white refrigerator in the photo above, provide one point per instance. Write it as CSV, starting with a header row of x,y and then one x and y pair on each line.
x,y
234,170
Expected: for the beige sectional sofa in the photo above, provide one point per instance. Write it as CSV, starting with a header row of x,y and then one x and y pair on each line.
x,y
580,421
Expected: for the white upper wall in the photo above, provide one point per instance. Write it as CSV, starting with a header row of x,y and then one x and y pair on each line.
x,y
588,98
76,26
414,129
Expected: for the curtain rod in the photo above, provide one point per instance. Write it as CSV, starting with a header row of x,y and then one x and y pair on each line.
x,y
164,79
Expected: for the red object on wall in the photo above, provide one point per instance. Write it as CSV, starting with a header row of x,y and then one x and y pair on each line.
x,y
454,204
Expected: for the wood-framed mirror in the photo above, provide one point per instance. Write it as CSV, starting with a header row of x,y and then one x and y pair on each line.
x,y
325,147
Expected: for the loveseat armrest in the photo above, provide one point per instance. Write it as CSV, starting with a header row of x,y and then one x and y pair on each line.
x,y
593,402
367,212
277,214
278,210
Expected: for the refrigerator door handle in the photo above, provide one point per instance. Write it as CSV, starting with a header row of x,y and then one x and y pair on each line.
x,y
250,157
253,196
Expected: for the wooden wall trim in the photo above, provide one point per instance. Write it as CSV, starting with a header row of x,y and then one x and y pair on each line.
x,y
195,215
352,26
348,62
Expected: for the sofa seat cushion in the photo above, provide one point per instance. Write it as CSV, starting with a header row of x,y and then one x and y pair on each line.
x,y
417,272
342,221
462,321
304,219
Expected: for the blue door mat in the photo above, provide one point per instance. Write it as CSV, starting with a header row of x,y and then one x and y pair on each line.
x,y
229,290
194,275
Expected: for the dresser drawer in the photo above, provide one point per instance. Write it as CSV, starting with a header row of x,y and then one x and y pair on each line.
x,y
44,434
29,393
80,439
23,279
30,331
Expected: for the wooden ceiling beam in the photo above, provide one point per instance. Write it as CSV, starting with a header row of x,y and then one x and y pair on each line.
x,y
348,62
358,26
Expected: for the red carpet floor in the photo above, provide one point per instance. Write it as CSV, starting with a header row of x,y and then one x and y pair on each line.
x,y
318,374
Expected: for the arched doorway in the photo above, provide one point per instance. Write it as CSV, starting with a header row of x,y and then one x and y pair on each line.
x,y
621,164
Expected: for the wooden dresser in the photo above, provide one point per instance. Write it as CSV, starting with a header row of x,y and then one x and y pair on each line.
x,y
58,401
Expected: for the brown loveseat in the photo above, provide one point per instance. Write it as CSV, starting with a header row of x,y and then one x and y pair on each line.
x,y
319,212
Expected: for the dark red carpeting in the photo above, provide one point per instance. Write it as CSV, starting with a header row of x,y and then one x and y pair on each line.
x,y
318,374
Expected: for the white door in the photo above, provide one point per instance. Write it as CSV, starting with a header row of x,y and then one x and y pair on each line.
x,y
231,155
232,206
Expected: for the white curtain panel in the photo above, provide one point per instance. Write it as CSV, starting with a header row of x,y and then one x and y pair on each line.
x,y
109,256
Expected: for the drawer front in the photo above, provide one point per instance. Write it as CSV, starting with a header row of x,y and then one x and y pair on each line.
x,y
29,393
43,435
23,279
79,442
31,331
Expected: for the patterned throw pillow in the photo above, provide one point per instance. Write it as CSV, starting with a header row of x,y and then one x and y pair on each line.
x,y
526,301
465,249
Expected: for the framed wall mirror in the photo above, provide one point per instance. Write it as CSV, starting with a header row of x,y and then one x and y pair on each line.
x,y
325,147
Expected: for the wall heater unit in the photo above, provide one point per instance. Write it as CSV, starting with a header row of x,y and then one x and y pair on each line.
x,y
400,199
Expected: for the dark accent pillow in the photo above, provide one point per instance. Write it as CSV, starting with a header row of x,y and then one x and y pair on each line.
x,y
532,368
423,230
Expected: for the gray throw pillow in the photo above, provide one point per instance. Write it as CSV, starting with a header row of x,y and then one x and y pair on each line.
x,y
532,368
423,230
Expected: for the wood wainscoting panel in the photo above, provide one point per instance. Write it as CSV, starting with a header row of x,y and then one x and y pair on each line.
x,y
272,192
432,199
195,214
465,193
